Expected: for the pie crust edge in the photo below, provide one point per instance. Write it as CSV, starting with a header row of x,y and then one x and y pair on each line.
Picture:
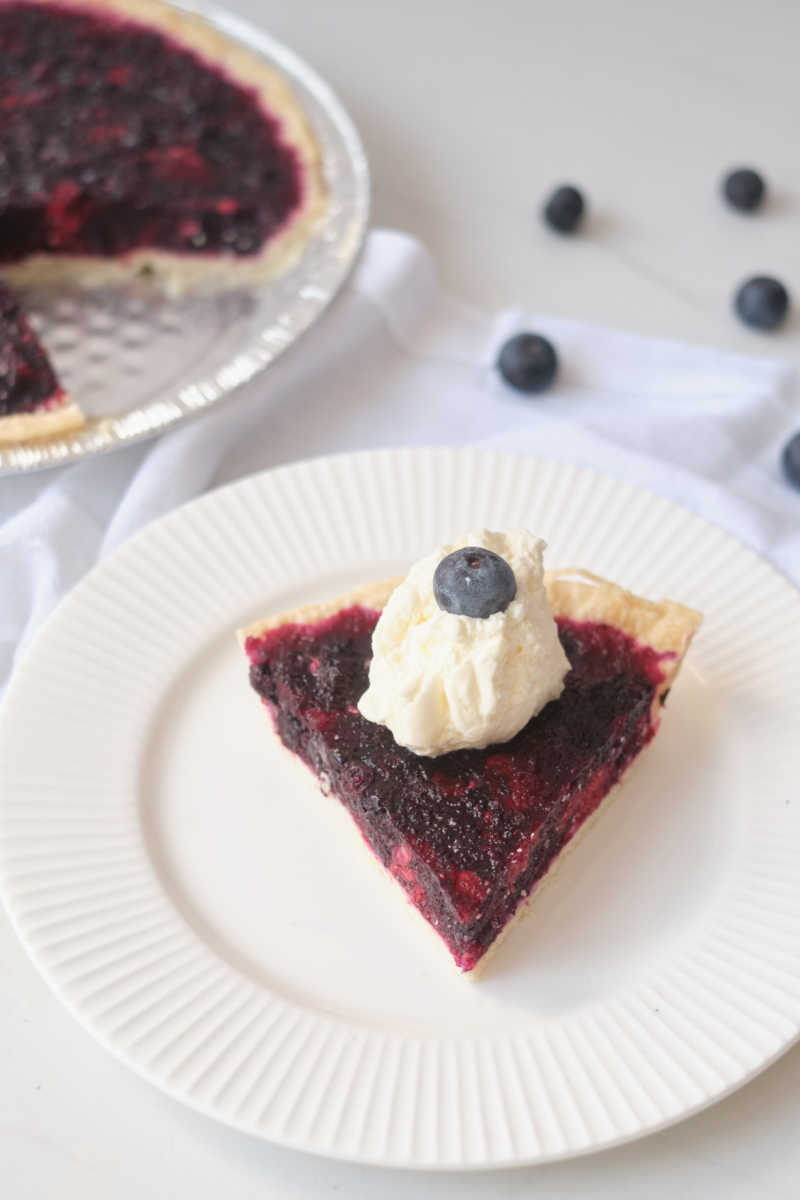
x,y
25,427
665,626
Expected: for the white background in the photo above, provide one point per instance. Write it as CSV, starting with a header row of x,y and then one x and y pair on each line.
x,y
470,112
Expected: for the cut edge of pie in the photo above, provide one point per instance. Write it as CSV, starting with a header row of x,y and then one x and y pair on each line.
x,y
666,627
179,272
57,415
49,410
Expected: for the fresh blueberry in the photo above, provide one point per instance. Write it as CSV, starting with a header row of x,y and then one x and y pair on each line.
x,y
743,189
762,302
790,460
474,582
564,209
528,362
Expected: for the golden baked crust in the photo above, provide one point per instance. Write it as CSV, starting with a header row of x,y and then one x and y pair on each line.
x,y
368,595
29,427
665,626
182,272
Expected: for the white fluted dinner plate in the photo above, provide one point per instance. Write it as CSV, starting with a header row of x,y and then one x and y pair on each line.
x,y
212,919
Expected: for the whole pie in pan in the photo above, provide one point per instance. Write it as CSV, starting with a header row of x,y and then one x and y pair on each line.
x,y
469,834
137,138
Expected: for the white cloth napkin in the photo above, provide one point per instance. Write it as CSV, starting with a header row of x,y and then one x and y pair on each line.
x,y
395,362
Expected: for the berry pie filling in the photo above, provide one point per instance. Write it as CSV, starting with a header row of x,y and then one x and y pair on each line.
x,y
117,138
467,833
27,380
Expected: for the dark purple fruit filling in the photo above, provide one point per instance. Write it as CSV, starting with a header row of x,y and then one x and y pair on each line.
x,y
26,378
116,138
469,833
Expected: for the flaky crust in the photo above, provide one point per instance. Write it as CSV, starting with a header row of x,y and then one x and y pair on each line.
x,y
665,626
33,426
368,595
184,272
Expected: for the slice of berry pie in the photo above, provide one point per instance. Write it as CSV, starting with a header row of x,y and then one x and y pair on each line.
x,y
138,139
32,402
469,833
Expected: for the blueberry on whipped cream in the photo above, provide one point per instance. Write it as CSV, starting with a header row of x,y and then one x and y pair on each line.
x,y
466,650
474,582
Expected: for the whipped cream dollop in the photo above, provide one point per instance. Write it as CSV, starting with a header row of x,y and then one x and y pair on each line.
x,y
442,681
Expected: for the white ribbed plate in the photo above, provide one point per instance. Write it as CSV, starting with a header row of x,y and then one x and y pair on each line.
x,y
213,919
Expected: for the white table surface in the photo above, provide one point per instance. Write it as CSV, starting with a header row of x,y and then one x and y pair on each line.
x,y
470,112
